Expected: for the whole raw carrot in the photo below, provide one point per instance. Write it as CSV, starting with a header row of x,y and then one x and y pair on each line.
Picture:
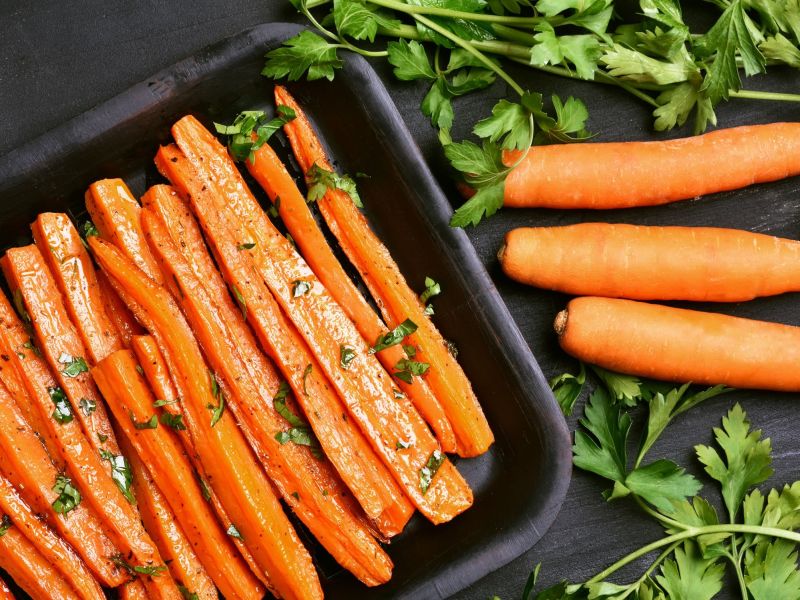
x,y
229,466
49,545
393,295
675,344
348,449
625,174
652,263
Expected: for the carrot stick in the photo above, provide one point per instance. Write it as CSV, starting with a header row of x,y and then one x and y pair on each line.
x,y
158,376
229,466
392,294
72,269
127,394
161,523
117,312
345,445
29,278
133,590
365,386
652,263
675,344
307,483
51,547
622,174
5,591
34,573
115,213
24,461
267,170
82,448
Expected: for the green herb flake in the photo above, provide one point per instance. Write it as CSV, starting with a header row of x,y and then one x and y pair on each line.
x,y
427,473
140,370
88,406
246,246
89,229
394,337
240,301
121,473
252,129
217,393
173,421
5,524
346,356
234,533
204,489
320,181
300,288
296,495
151,423
410,350
149,570
103,438
160,403
432,288
407,369
74,365
68,495
19,305
63,411
403,445
187,595
283,391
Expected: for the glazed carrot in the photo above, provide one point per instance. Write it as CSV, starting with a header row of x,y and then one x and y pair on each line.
x,y
133,590
115,213
30,570
71,267
675,344
652,263
624,174
268,171
160,522
117,312
50,546
60,343
308,484
367,389
391,292
81,446
5,591
24,461
230,468
342,441
127,394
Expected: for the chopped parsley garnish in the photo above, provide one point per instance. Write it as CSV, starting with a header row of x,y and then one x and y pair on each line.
x,y
63,411
246,246
296,495
187,595
160,403
88,406
426,473
346,356
5,525
410,350
29,345
283,391
151,570
140,370
406,369
240,134
217,393
19,304
299,433
151,423
234,533
103,438
300,288
204,489
306,373
398,394
174,421
89,229
321,180
394,337
403,445
68,496
240,301
432,288
74,365
121,473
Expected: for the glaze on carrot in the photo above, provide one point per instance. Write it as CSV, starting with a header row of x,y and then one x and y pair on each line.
x,y
652,263
675,344
307,483
367,389
229,466
625,174
51,547
344,444
118,313
391,292
270,173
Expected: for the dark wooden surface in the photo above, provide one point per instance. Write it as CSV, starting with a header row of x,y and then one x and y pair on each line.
x,y
58,59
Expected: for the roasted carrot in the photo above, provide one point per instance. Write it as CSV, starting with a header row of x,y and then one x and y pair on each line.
x,y
342,441
24,461
50,546
625,174
161,523
308,484
127,394
71,267
133,590
391,292
367,389
115,213
5,591
123,319
81,447
229,466
31,282
267,169
652,263
31,570
675,344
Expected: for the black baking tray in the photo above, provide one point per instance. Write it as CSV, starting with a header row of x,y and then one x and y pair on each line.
x,y
521,482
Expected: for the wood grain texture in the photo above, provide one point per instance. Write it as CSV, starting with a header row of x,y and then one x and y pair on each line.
x,y
57,61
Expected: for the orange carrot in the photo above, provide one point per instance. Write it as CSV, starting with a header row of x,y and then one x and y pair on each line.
x,y
307,483
158,376
160,522
229,466
115,213
266,168
159,448
24,461
117,312
5,591
33,572
71,267
81,448
31,281
133,590
675,344
392,294
624,174
347,448
52,547
652,263
367,389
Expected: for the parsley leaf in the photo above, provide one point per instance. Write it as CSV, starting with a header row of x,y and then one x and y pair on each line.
x,y
121,473
359,19
240,300
87,405
410,61
346,356
406,369
321,180
68,495
567,388
427,473
150,570
234,533
187,595
151,423
304,53
5,524
173,421
771,571
74,365
510,125
300,433
394,337
484,170
601,448
63,411
216,391
249,123
690,575
432,288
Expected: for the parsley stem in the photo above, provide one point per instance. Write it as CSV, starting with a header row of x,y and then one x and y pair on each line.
x,y
759,95
658,516
437,11
315,3
472,49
